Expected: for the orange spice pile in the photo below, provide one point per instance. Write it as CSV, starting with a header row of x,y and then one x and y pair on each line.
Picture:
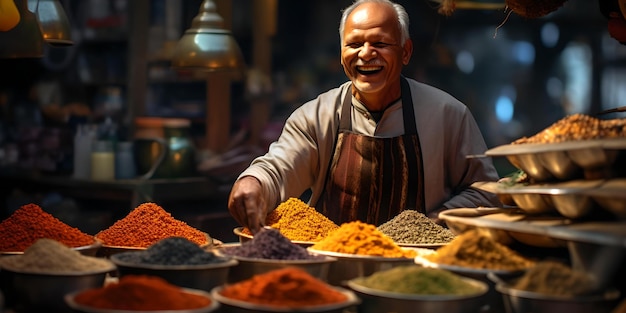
x,y
147,224
30,223
288,287
364,239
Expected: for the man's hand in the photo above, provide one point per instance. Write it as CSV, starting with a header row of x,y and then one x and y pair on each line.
x,y
246,203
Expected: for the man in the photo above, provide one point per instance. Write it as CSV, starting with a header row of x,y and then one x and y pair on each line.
x,y
375,145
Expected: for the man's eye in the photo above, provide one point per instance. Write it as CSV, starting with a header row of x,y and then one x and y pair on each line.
x,y
381,45
355,45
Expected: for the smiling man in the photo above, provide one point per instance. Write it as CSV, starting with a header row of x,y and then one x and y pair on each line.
x,y
374,146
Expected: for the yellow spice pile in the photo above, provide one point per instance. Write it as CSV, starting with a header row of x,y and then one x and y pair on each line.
x,y
362,239
476,249
297,221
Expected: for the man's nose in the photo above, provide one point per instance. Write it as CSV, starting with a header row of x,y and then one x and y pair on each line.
x,y
367,52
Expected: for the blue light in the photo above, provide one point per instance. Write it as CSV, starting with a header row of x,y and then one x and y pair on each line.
x,y
524,52
504,109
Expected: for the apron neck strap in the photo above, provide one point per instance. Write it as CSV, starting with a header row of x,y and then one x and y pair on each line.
x,y
408,112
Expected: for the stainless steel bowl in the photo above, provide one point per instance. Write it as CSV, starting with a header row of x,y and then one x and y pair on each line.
x,y
237,306
213,305
248,267
349,266
30,292
521,301
202,277
376,301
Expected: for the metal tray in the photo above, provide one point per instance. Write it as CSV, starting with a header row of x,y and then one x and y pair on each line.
x,y
595,247
573,199
588,159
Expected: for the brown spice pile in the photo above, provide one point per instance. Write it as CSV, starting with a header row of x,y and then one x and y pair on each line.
x,y
47,256
30,223
476,249
362,239
147,224
578,127
554,278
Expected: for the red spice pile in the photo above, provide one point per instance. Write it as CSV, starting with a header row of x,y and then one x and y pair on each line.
x,y
147,224
289,287
141,292
30,223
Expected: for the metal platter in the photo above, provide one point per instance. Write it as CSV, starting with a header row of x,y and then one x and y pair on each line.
x,y
595,247
557,228
573,199
588,159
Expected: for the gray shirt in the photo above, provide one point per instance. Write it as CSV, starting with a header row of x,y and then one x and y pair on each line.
x,y
447,131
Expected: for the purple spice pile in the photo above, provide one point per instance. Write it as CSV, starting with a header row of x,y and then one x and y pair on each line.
x,y
269,243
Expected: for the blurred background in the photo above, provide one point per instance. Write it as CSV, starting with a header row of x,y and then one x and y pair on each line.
x,y
517,74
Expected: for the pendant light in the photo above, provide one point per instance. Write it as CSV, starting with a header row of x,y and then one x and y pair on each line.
x,y
207,45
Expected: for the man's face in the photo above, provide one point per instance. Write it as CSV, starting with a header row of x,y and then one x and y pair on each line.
x,y
371,54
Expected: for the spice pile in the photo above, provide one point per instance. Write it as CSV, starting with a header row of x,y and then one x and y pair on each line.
x,y
47,256
269,243
578,127
288,287
147,224
363,239
413,279
141,293
171,251
413,227
554,278
298,221
476,249
30,223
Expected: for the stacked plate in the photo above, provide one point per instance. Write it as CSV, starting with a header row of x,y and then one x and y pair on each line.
x,y
575,179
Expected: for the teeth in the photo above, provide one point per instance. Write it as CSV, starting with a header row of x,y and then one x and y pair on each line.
x,y
370,68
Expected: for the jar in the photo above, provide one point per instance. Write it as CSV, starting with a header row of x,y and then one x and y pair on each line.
x,y
102,160
124,161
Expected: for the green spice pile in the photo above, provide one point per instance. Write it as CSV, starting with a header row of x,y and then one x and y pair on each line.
x,y
413,227
413,279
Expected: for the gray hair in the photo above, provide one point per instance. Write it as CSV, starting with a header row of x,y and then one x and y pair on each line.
x,y
403,17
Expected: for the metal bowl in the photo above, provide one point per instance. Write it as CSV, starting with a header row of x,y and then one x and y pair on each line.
x,y
238,306
213,305
521,301
376,301
589,159
248,267
31,292
243,237
202,277
349,266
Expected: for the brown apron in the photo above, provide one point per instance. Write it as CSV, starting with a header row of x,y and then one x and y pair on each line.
x,y
373,179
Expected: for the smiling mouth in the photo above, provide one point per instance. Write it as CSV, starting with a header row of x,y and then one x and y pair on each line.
x,y
367,70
